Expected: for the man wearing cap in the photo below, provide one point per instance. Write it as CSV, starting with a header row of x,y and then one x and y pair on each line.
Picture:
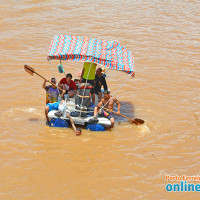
x,y
108,101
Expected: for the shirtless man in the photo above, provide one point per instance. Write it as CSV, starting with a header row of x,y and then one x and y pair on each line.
x,y
107,111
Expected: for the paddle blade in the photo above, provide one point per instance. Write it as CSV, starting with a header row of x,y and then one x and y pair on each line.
x,y
139,121
29,69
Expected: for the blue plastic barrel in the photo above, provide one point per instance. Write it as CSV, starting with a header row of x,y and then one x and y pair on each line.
x,y
57,122
95,127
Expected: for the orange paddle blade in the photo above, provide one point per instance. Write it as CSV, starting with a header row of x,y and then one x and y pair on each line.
x,y
29,69
139,121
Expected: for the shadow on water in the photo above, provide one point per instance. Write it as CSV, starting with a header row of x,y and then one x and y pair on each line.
x,y
33,119
127,109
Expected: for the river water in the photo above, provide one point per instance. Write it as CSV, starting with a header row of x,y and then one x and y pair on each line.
x,y
129,162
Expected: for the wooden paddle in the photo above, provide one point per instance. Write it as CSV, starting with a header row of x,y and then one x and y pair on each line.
x,y
135,121
31,71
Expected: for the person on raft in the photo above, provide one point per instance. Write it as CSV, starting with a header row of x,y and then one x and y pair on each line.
x,y
68,85
60,106
99,82
108,101
52,92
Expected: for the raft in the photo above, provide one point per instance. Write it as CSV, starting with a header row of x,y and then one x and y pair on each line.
x,y
82,119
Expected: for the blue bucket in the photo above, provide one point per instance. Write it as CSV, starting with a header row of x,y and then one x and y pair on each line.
x,y
57,122
60,68
95,127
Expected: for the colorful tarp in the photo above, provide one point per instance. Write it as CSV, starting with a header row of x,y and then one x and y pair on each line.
x,y
110,54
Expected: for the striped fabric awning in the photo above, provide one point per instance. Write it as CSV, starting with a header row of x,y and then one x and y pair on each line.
x,y
110,54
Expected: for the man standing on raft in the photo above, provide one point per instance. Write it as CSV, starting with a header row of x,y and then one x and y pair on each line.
x,y
108,101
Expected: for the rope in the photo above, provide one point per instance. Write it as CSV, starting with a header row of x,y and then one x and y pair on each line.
x,y
107,70
116,92
52,69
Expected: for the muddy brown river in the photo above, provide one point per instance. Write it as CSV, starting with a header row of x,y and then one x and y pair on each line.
x,y
128,162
